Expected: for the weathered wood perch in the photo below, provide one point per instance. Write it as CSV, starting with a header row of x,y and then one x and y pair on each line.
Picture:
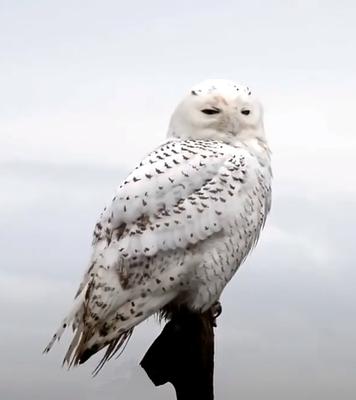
x,y
183,354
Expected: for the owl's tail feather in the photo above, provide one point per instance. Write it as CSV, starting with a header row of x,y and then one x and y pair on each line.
x,y
115,332
116,346
72,318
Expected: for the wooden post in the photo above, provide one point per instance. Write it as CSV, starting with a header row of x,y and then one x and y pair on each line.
x,y
183,354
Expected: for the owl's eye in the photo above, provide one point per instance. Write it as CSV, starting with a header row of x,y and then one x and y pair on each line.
x,y
245,112
209,111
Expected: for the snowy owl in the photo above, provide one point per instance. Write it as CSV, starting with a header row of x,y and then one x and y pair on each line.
x,y
180,224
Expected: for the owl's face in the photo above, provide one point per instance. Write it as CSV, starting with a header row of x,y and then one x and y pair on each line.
x,y
217,109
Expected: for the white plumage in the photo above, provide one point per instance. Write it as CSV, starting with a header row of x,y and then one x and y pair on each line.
x,y
181,223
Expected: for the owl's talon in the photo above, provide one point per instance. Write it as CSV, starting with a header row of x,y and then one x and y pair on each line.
x,y
215,310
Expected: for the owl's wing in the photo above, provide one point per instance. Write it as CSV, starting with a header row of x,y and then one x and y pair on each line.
x,y
181,193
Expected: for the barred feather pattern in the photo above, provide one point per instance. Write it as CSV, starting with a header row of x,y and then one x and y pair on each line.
x,y
175,233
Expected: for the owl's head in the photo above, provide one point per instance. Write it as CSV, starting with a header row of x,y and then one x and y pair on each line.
x,y
218,109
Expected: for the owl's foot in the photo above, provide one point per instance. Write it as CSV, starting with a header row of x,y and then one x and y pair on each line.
x,y
215,311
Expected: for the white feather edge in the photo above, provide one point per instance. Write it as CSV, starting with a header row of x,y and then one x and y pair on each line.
x,y
77,305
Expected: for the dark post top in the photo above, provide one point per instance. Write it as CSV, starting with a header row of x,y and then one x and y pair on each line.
x,y
183,354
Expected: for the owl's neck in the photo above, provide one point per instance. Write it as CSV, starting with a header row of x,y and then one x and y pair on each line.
x,y
255,141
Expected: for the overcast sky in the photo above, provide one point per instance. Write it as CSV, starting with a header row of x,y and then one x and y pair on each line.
x,y
86,89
